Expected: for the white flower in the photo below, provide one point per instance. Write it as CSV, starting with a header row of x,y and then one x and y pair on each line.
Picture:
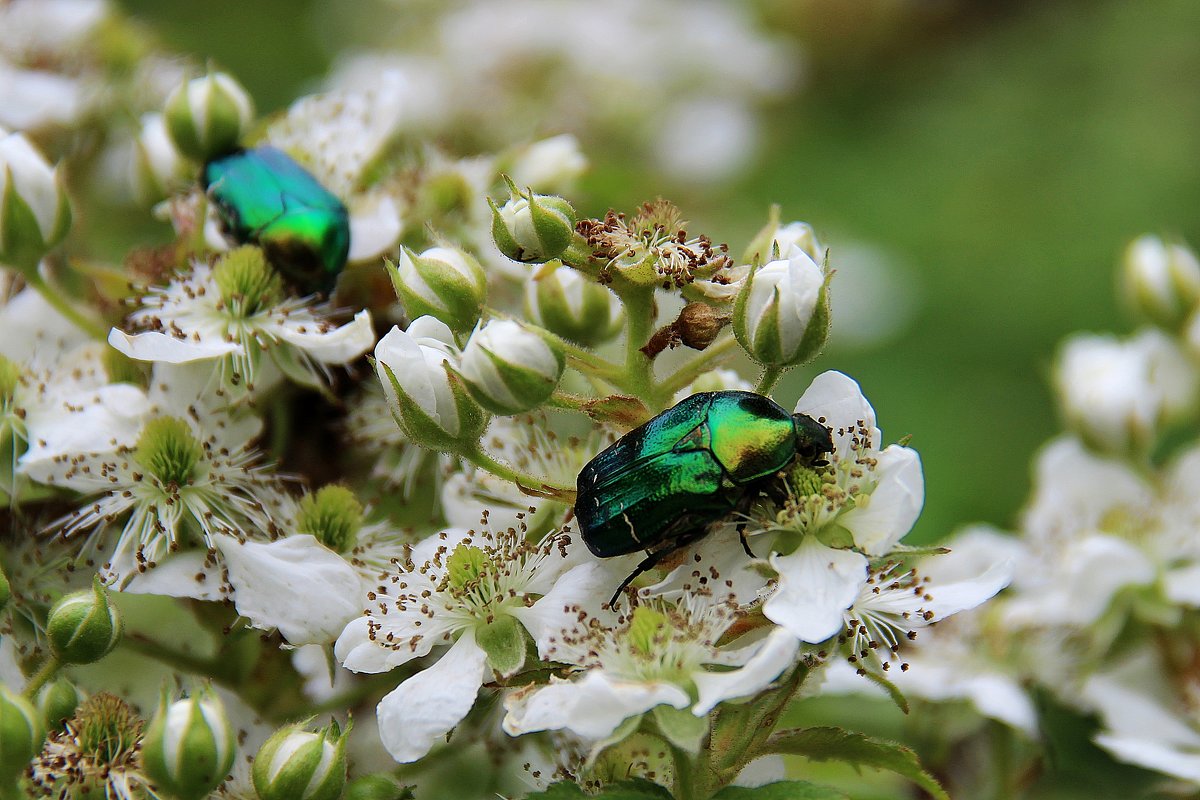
x,y
426,397
34,212
661,655
548,165
1161,280
234,314
207,116
781,315
480,593
1119,394
510,367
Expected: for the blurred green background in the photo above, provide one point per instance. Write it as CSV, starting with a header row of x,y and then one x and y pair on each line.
x,y
1002,152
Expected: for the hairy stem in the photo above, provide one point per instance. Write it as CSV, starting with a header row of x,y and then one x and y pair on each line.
x,y
709,358
769,378
48,670
530,484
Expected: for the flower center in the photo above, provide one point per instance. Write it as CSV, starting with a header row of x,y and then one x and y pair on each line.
x,y
246,282
333,515
168,451
106,729
466,567
649,629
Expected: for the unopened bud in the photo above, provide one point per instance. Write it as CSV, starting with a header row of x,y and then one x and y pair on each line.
x,y
35,214
57,702
1161,280
189,746
295,764
158,167
532,228
83,627
442,282
207,117
565,302
774,241
510,367
376,787
21,734
781,315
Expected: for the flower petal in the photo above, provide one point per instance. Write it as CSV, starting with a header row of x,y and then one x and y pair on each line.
x,y
423,709
154,346
338,346
837,398
182,575
883,517
816,584
295,584
775,654
583,587
375,226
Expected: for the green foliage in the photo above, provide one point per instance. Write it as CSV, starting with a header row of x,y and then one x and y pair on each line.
x,y
781,790
636,789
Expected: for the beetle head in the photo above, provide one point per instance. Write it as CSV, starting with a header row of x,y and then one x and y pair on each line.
x,y
813,440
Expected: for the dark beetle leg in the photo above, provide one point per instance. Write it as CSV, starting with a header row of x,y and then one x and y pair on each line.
x,y
741,529
651,561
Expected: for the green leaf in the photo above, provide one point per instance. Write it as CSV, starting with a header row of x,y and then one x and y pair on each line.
x,y
893,691
835,744
781,790
563,790
681,727
636,789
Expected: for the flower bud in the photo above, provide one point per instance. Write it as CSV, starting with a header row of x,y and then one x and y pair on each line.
x,y
295,764
207,117
83,627
775,241
35,214
1161,280
532,227
376,787
511,368
549,165
1117,395
430,401
158,168
189,747
781,315
567,303
21,734
442,282
57,701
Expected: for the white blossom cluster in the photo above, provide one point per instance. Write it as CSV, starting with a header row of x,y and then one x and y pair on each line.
x,y
391,506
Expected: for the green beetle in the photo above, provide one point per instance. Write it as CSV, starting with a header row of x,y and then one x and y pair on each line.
x,y
263,197
660,486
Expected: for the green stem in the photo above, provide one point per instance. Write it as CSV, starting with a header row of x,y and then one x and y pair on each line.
x,y
708,359
56,299
639,322
685,775
568,401
179,661
48,670
770,377
524,480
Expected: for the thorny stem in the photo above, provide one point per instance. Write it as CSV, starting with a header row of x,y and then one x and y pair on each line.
x,y
45,672
58,300
639,321
769,378
709,358
531,484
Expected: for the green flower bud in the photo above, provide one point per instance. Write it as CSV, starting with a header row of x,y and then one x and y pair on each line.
x,y
21,734
57,702
565,302
510,367
207,117
35,214
83,627
1161,280
189,747
532,227
442,282
333,515
158,169
376,787
775,241
295,764
781,315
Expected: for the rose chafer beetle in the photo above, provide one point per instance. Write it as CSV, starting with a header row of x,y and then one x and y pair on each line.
x,y
662,485
263,197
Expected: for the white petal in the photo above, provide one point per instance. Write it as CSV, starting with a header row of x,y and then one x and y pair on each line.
x,y
295,584
32,332
154,346
720,551
338,346
816,584
583,587
838,398
179,576
1129,712
107,418
883,517
375,226
1154,755
1002,698
773,656
1182,585
591,707
419,712
951,598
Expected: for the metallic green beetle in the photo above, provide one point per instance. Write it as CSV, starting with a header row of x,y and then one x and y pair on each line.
x,y
263,197
660,486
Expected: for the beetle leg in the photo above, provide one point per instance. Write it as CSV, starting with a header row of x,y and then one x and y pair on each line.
x,y
652,560
741,529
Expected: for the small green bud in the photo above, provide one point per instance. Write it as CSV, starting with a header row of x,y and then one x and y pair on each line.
x,y
207,117
333,515
83,627
1161,281
510,367
376,787
57,702
21,734
532,227
189,747
781,314
295,764
442,282
35,214
565,302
